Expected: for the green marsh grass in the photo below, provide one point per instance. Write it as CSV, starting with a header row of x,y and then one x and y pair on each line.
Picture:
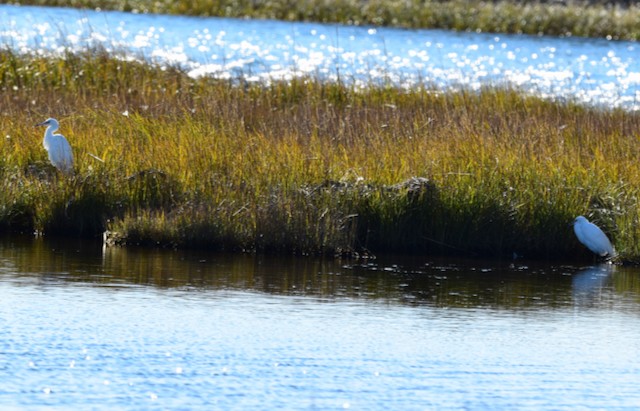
x,y
604,19
310,167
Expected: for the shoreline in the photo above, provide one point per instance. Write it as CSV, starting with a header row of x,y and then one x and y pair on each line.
x,y
615,20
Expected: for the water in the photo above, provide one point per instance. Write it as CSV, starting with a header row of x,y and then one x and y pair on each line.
x,y
84,327
90,328
592,71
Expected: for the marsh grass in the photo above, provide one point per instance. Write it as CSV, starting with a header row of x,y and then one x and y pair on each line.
x,y
310,166
605,19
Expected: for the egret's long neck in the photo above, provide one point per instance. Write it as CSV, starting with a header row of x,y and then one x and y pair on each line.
x,y
48,134
49,131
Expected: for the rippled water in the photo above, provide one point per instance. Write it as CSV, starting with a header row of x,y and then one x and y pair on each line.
x,y
90,328
595,71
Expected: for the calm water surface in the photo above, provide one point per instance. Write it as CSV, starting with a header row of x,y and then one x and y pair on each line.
x,y
84,327
593,71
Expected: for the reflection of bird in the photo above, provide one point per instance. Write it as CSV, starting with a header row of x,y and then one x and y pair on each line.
x,y
587,284
593,237
57,146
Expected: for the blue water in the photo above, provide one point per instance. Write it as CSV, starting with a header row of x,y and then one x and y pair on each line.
x,y
592,71
90,328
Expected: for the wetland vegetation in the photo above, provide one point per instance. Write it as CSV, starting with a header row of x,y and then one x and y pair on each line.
x,y
586,18
309,167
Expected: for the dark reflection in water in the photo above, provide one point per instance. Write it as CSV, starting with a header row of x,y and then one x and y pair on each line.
x,y
397,279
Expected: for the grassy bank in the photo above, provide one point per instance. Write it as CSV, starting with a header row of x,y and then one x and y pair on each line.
x,y
604,19
309,167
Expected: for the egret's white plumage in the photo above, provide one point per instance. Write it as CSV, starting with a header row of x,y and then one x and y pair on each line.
x,y
593,237
57,146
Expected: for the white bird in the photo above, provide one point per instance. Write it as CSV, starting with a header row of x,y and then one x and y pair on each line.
x,y
593,237
57,146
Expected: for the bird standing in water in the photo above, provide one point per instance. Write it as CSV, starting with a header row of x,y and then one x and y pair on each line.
x,y
593,237
57,147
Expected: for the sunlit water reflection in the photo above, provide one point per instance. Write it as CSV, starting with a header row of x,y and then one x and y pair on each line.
x,y
90,328
594,71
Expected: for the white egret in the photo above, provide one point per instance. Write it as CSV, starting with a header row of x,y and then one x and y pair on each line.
x,y
593,237
57,146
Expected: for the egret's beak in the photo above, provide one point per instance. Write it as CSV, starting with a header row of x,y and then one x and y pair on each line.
x,y
40,124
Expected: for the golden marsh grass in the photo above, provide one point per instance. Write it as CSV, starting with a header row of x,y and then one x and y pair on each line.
x,y
308,166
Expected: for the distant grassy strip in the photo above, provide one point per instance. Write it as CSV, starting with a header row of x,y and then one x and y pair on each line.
x,y
615,20
308,166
